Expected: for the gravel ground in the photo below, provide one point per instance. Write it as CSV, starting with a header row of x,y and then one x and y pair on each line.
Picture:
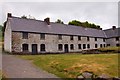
x,y
14,67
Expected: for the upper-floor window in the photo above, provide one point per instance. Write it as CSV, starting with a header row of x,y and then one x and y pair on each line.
x,y
60,47
79,46
71,37
60,37
42,36
88,39
103,39
79,37
71,46
25,35
95,39
117,38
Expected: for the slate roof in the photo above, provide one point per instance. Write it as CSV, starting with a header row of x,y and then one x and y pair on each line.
x,y
112,33
30,25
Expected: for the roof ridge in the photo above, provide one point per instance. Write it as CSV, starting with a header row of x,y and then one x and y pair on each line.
x,y
27,19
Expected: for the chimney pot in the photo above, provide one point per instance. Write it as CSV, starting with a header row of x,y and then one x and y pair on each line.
x,y
113,27
47,20
9,15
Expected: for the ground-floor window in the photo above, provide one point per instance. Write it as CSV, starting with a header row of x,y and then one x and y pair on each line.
x,y
79,46
88,46
96,45
71,46
108,44
42,47
84,46
101,45
104,45
60,47
117,45
25,47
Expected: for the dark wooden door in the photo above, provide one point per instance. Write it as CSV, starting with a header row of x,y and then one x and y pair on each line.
x,y
34,49
66,49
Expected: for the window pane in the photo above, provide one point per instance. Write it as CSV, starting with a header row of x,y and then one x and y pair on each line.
x,y
79,46
79,37
108,44
96,46
95,39
42,36
101,45
103,40
42,47
71,46
60,47
25,35
88,45
60,37
117,38
71,37
117,45
84,46
88,39
25,47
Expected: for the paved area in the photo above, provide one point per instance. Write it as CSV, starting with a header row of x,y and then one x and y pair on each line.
x,y
15,67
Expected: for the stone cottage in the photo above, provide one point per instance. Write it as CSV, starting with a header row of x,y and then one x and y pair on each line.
x,y
36,36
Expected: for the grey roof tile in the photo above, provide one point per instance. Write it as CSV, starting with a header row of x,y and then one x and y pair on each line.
x,y
112,33
29,25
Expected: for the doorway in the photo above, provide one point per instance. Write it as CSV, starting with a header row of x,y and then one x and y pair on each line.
x,y
66,49
34,48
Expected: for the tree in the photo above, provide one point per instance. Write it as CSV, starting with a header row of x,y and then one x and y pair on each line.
x,y
24,17
29,17
84,24
75,22
1,27
59,21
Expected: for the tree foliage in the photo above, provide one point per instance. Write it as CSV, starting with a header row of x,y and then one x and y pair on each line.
x,y
59,21
24,17
84,24
1,27
29,17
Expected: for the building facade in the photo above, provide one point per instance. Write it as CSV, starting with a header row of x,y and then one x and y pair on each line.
x,y
36,36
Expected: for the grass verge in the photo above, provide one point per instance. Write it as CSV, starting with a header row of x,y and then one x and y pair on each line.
x,y
71,65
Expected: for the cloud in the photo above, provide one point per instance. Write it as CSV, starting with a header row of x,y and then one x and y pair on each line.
x,y
104,14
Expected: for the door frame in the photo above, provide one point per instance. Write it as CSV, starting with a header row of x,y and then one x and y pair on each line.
x,y
34,46
66,48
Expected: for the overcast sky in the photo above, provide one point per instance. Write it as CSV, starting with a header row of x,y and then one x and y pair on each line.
x,y
104,14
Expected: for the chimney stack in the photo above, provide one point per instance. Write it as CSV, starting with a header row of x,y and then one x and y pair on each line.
x,y
100,28
113,27
9,15
47,20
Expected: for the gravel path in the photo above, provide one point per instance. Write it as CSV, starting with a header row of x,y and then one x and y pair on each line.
x,y
15,67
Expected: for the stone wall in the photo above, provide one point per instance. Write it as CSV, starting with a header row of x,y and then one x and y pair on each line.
x,y
112,41
51,42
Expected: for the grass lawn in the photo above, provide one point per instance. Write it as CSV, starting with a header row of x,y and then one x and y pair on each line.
x,y
71,65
